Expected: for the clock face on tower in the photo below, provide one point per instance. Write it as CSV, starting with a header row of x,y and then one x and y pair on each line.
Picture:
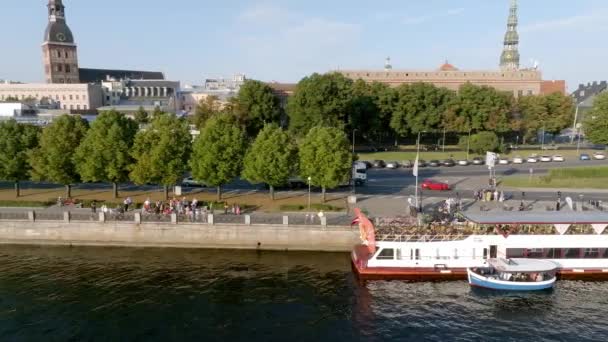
x,y
60,37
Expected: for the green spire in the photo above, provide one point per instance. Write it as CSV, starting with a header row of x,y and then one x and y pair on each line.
x,y
509,60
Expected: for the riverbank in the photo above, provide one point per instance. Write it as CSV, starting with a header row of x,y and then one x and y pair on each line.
x,y
282,237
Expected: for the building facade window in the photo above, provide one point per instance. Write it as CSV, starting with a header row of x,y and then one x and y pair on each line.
x,y
71,97
67,68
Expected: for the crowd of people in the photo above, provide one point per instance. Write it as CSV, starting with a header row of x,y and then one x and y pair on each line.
x,y
486,195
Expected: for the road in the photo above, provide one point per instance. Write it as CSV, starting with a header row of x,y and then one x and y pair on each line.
x,y
399,183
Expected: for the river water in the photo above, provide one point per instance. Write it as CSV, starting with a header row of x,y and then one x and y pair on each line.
x,y
112,294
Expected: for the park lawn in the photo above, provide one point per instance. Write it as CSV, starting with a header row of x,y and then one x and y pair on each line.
x,y
569,178
258,201
401,156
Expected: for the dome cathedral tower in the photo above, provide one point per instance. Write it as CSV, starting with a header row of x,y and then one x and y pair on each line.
x,y
59,49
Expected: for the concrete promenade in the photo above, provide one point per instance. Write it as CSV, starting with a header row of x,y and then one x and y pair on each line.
x,y
68,231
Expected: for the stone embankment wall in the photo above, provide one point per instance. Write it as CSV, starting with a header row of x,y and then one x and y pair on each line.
x,y
182,235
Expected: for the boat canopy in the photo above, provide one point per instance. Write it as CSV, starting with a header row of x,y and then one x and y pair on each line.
x,y
522,265
539,218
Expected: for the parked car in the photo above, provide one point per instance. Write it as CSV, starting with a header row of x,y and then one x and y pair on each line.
x,y
545,159
378,164
368,164
503,161
584,156
422,163
550,147
434,163
392,165
189,182
478,161
448,163
558,158
430,184
518,160
463,162
599,156
532,159
408,164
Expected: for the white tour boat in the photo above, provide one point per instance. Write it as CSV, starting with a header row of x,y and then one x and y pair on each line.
x,y
575,241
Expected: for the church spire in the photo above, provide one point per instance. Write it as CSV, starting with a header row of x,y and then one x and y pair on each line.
x,y
56,10
509,60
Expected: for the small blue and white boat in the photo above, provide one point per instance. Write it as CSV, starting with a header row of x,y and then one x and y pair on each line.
x,y
514,275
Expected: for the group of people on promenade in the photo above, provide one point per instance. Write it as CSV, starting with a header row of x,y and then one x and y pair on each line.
x,y
486,195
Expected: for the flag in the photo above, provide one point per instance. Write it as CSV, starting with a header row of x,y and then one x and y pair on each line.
x,y
416,167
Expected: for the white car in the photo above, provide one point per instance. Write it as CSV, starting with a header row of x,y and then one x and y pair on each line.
x,y
518,160
191,183
392,165
545,159
532,160
463,162
558,158
503,161
599,156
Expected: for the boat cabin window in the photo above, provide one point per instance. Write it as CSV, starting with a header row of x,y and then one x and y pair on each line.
x,y
573,253
515,253
591,253
386,254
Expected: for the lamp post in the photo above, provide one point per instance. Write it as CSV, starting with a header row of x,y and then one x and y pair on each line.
x,y
542,147
580,197
443,150
354,173
574,125
309,186
468,143
578,132
354,130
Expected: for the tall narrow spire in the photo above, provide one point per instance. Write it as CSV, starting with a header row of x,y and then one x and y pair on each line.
x,y
509,60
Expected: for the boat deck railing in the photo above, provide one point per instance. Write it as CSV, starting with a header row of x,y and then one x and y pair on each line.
x,y
420,238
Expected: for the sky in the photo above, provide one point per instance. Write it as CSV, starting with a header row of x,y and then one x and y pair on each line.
x,y
285,40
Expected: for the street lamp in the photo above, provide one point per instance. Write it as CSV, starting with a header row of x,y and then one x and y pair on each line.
x,y
354,130
574,125
443,140
468,143
309,186
580,197
578,132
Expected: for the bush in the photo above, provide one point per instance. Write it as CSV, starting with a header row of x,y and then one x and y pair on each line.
x,y
26,204
483,142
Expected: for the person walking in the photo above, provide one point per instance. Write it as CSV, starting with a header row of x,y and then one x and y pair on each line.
x,y
93,207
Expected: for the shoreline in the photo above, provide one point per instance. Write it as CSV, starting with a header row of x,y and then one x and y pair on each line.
x,y
270,237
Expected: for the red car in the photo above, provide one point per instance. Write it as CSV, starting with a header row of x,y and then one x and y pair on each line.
x,y
429,184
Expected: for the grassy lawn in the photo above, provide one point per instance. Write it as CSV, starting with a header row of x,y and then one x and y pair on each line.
x,y
258,201
570,178
400,156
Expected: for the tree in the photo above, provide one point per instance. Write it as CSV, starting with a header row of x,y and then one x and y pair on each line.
x,y
53,159
372,107
218,152
161,152
206,108
320,100
258,105
325,157
552,113
483,142
271,159
105,153
16,140
479,108
596,121
419,107
141,116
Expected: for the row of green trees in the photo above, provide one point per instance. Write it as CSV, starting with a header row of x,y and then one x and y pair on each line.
x,y
378,112
113,149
